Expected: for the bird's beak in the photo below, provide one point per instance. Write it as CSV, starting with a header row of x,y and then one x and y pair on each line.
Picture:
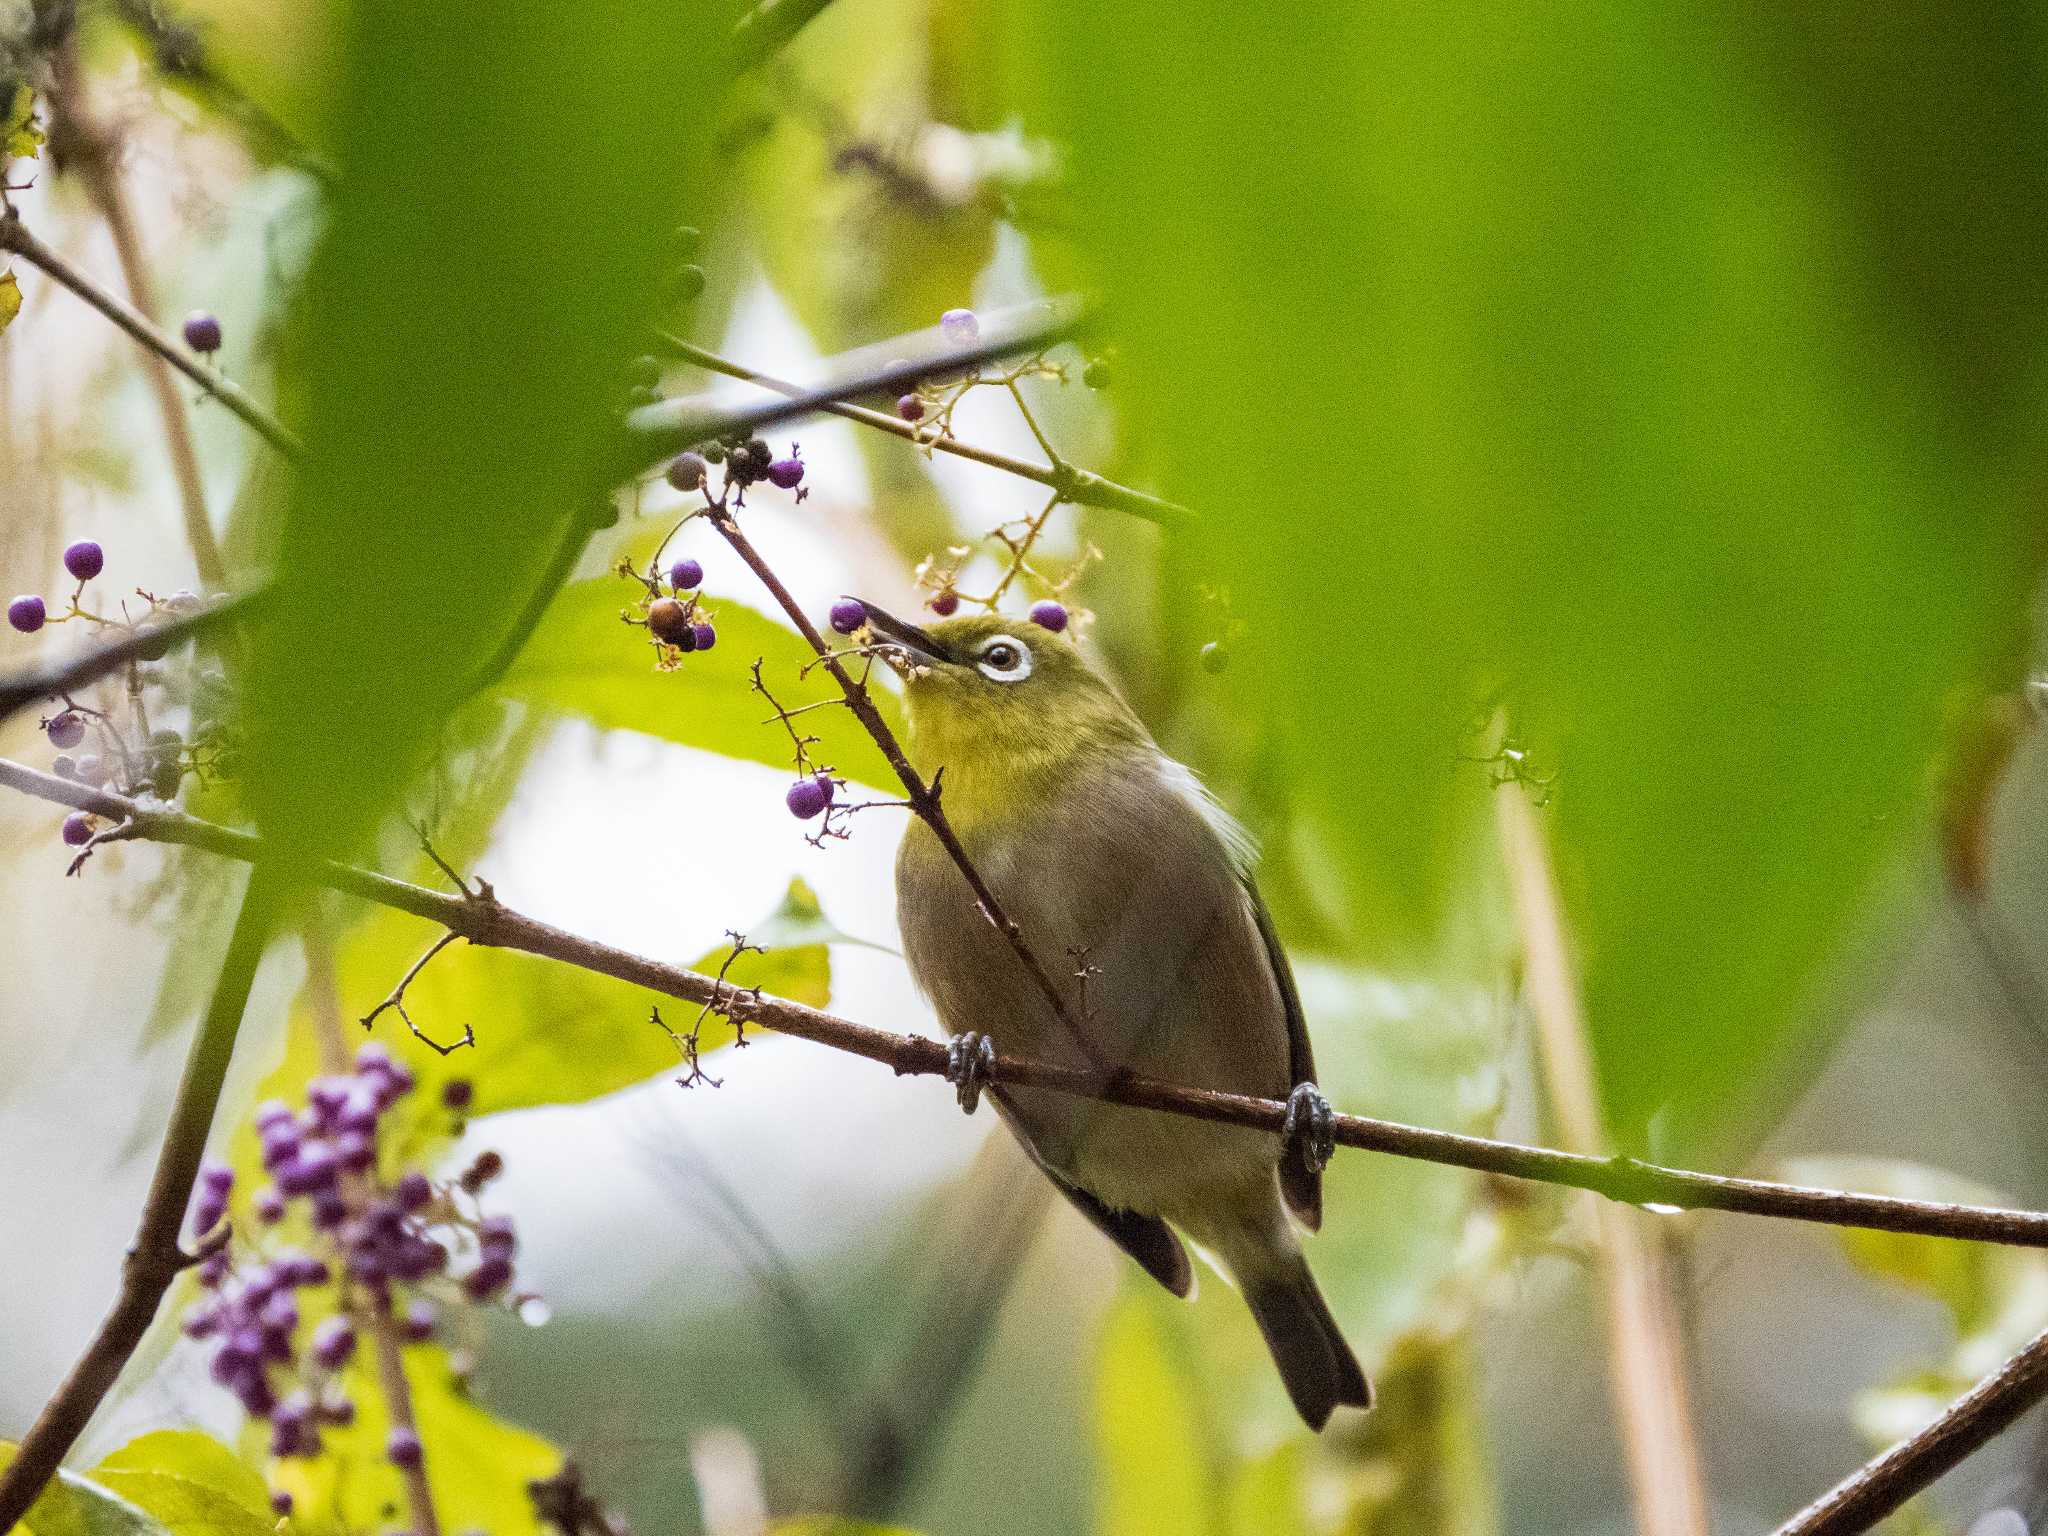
x,y
919,643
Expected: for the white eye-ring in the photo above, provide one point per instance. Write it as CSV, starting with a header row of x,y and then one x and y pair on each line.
x,y
1003,660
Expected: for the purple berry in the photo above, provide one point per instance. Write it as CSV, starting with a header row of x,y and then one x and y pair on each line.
x,y
1049,615
269,1205
373,1057
910,408
414,1191
491,1276
213,1269
77,829
334,1341
787,473
202,331
946,604
91,769
685,574
355,1151
201,1320
338,1411
417,1326
63,766
848,614
806,798
825,782
218,1177
404,1448
962,327
457,1092
26,614
67,729
686,472
280,1315
707,637
85,559
280,1501
207,1211
271,1112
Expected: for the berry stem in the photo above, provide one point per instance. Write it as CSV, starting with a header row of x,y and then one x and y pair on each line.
x,y
155,1257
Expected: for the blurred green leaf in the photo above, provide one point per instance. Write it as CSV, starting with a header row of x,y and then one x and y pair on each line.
x,y
1265,1494
583,661
835,1525
478,1465
456,407
190,1482
71,1505
1154,1473
800,921
1555,357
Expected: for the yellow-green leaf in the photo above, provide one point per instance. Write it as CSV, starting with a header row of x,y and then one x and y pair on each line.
x,y
1154,1475
75,1506
10,298
23,137
191,1459
582,660
477,1465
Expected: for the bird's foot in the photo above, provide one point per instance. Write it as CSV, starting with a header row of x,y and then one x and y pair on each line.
x,y
970,1058
1311,1128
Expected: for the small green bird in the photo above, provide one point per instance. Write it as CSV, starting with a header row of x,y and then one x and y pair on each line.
x,y
1115,862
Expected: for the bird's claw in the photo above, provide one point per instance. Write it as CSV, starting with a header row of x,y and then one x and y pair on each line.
x,y
970,1058
1311,1127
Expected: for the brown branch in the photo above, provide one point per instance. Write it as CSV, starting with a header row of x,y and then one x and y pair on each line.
x,y
923,798
1879,1487
1618,1178
395,1002
1076,485
1646,1355
655,433
15,237
155,1257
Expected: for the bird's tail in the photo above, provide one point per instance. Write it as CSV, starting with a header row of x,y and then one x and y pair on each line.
x,y
1316,1364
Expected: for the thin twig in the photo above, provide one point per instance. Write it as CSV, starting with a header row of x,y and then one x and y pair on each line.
x,y
396,1002
1652,1407
1081,486
924,799
155,1257
1618,1178
1881,1486
15,237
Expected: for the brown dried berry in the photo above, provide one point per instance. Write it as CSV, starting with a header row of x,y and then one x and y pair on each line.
x,y
670,621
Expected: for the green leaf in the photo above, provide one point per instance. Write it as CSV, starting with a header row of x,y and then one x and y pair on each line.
x,y
192,1460
1154,1473
582,660
71,1505
22,138
1594,386
478,1465
461,348
800,921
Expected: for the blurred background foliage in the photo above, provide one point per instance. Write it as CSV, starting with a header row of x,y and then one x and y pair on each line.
x,y
1642,411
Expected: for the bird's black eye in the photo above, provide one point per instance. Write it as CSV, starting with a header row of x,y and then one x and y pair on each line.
x,y
1003,660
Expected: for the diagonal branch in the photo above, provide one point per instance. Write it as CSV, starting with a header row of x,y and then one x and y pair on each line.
x,y
21,689
155,1258
15,237
923,797
1618,1178
1076,485
1879,1487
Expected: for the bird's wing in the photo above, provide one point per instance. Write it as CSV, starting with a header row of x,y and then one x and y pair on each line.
x,y
1301,1184
1148,1239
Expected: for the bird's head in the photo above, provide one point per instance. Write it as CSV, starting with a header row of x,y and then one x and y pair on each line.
x,y
998,701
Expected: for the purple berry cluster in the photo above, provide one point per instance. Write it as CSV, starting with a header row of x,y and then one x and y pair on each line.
x,y
676,619
83,560
386,1249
